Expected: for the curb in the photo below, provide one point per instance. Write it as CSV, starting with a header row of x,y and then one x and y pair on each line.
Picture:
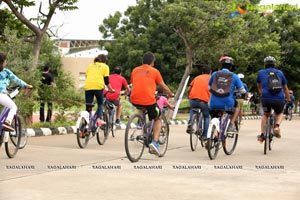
x,y
34,132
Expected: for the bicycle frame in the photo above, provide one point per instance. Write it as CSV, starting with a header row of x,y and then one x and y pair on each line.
x,y
221,123
89,118
3,117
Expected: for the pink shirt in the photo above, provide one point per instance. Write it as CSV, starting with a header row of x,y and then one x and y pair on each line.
x,y
162,101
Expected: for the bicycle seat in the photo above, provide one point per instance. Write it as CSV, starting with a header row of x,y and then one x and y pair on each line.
x,y
218,112
196,109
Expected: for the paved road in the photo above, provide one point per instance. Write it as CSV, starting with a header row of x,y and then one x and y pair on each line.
x,y
104,172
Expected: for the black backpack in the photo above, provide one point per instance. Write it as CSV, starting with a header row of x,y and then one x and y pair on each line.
x,y
274,83
221,84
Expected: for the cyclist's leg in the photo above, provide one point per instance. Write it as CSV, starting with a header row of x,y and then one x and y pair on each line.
x,y
8,102
118,104
206,118
194,103
267,109
155,113
278,107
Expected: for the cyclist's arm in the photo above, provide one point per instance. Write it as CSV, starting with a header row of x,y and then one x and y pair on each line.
x,y
286,93
106,81
259,88
166,89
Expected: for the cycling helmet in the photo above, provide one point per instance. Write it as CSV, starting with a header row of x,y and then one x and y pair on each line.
x,y
270,60
226,59
291,92
241,76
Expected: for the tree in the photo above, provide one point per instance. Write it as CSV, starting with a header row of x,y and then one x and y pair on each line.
x,y
43,20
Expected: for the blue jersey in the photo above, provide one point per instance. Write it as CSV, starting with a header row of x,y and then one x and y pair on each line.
x,y
5,77
226,103
262,79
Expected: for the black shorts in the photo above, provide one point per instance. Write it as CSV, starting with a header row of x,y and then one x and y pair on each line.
x,y
152,110
276,105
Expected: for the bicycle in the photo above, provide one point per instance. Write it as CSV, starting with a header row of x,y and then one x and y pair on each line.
x,y
110,110
268,133
11,139
138,135
86,127
217,134
196,129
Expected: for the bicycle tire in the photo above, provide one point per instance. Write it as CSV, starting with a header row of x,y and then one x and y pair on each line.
x,y
194,137
134,138
266,137
229,149
24,134
14,139
213,144
290,114
163,139
102,132
82,134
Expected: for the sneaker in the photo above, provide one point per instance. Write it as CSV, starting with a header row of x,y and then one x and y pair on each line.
x,y
100,123
277,132
154,147
260,138
118,123
231,128
8,127
189,129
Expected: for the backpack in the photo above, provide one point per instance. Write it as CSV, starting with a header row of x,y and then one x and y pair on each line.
x,y
274,83
221,84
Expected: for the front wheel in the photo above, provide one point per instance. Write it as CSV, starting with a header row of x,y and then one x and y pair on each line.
x,y
164,136
134,138
12,143
82,134
102,132
213,143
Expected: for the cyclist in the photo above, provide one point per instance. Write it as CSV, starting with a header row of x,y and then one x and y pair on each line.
x,y
199,97
222,98
117,81
144,79
162,101
97,76
241,97
5,77
269,100
291,103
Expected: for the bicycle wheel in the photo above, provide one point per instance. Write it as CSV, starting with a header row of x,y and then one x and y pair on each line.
x,y
14,138
24,134
230,140
163,139
102,132
194,137
290,113
82,134
134,138
213,144
267,138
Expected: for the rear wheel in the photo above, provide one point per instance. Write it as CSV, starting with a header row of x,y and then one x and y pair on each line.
x,y
230,140
267,138
82,134
194,137
164,136
134,138
14,138
102,132
213,143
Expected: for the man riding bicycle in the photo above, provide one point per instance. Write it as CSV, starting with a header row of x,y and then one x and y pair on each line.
x,y
144,79
289,104
222,85
271,100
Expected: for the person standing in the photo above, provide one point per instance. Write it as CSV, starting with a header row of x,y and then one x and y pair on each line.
x,y
117,81
46,94
199,96
97,77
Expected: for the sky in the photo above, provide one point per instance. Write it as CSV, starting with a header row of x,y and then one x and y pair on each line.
x,y
83,23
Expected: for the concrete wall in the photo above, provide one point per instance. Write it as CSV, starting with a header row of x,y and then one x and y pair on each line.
x,y
77,67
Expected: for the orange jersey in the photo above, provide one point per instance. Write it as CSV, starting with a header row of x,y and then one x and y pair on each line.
x,y
199,88
144,79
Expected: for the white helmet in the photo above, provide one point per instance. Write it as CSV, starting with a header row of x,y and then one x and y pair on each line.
x,y
241,75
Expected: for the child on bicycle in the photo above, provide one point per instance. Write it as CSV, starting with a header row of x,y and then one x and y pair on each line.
x,y
162,101
5,77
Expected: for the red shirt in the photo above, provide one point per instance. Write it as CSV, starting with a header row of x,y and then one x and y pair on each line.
x,y
117,82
